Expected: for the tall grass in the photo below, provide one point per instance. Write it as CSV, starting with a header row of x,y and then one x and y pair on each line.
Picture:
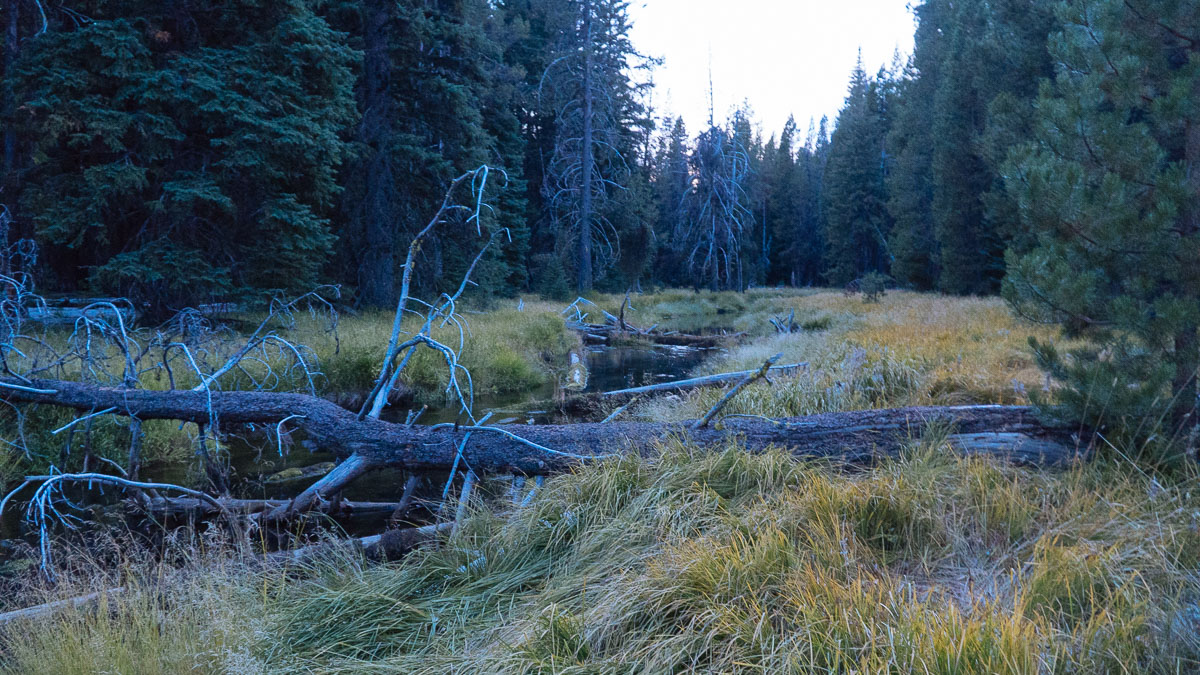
x,y
714,562
726,561
505,350
907,349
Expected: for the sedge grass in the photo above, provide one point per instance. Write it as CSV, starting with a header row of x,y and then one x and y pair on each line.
x,y
713,562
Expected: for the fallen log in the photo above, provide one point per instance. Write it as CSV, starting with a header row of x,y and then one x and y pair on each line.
x,y
391,545
48,609
594,333
705,381
729,395
178,507
857,436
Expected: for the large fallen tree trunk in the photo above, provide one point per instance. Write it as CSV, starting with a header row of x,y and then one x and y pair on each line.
x,y
858,436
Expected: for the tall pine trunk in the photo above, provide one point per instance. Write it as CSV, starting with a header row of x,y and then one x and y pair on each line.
x,y
11,47
1187,344
377,274
588,159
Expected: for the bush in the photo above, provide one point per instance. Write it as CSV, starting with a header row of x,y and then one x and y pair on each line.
x,y
873,286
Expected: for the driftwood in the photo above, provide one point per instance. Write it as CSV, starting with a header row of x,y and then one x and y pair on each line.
x,y
705,381
595,333
51,608
66,311
720,405
391,545
192,507
367,444
618,328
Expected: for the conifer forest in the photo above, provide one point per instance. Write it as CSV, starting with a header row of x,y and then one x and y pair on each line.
x,y
425,336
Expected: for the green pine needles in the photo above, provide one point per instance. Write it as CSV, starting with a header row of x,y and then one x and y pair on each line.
x,y
1110,196
173,156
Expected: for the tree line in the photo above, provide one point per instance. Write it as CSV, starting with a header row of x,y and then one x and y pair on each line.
x,y
174,152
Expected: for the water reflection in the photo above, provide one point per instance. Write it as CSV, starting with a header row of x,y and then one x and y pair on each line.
x,y
254,461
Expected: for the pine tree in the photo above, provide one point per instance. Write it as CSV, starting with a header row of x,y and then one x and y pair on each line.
x,y
672,180
910,183
185,152
587,91
1110,194
969,250
854,194
965,100
783,193
810,251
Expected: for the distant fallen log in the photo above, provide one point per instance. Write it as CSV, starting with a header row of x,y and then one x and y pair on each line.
x,y
705,381
48,609
594,333
65,311
391,545
182,507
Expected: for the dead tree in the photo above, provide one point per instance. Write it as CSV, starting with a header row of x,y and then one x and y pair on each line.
x,y
196,358
586,89
716,211
1011,432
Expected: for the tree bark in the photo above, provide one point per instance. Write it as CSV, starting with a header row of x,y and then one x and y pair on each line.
x,y
11,51
855,437
1187,342
588,159
376,213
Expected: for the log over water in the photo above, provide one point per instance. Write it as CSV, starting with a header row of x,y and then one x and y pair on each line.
x,y
705,381
1010,432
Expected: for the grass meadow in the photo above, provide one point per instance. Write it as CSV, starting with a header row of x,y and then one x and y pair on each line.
x,y
709,562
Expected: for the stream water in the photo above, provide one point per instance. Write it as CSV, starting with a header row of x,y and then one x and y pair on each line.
x,y
257,473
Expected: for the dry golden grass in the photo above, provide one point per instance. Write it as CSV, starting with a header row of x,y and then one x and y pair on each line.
x,y
729,561
907,349
714,562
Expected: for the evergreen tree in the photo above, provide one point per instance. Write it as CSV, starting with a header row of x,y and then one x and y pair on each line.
x,y
436,100
910,183
184,151
595,106
965,100
672,180
783,192
854,194
970,253
1110,195
809,252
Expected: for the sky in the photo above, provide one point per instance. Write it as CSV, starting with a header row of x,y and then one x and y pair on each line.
x,y
783,56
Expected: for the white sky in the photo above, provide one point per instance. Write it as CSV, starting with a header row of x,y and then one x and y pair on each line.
x,y
783,56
